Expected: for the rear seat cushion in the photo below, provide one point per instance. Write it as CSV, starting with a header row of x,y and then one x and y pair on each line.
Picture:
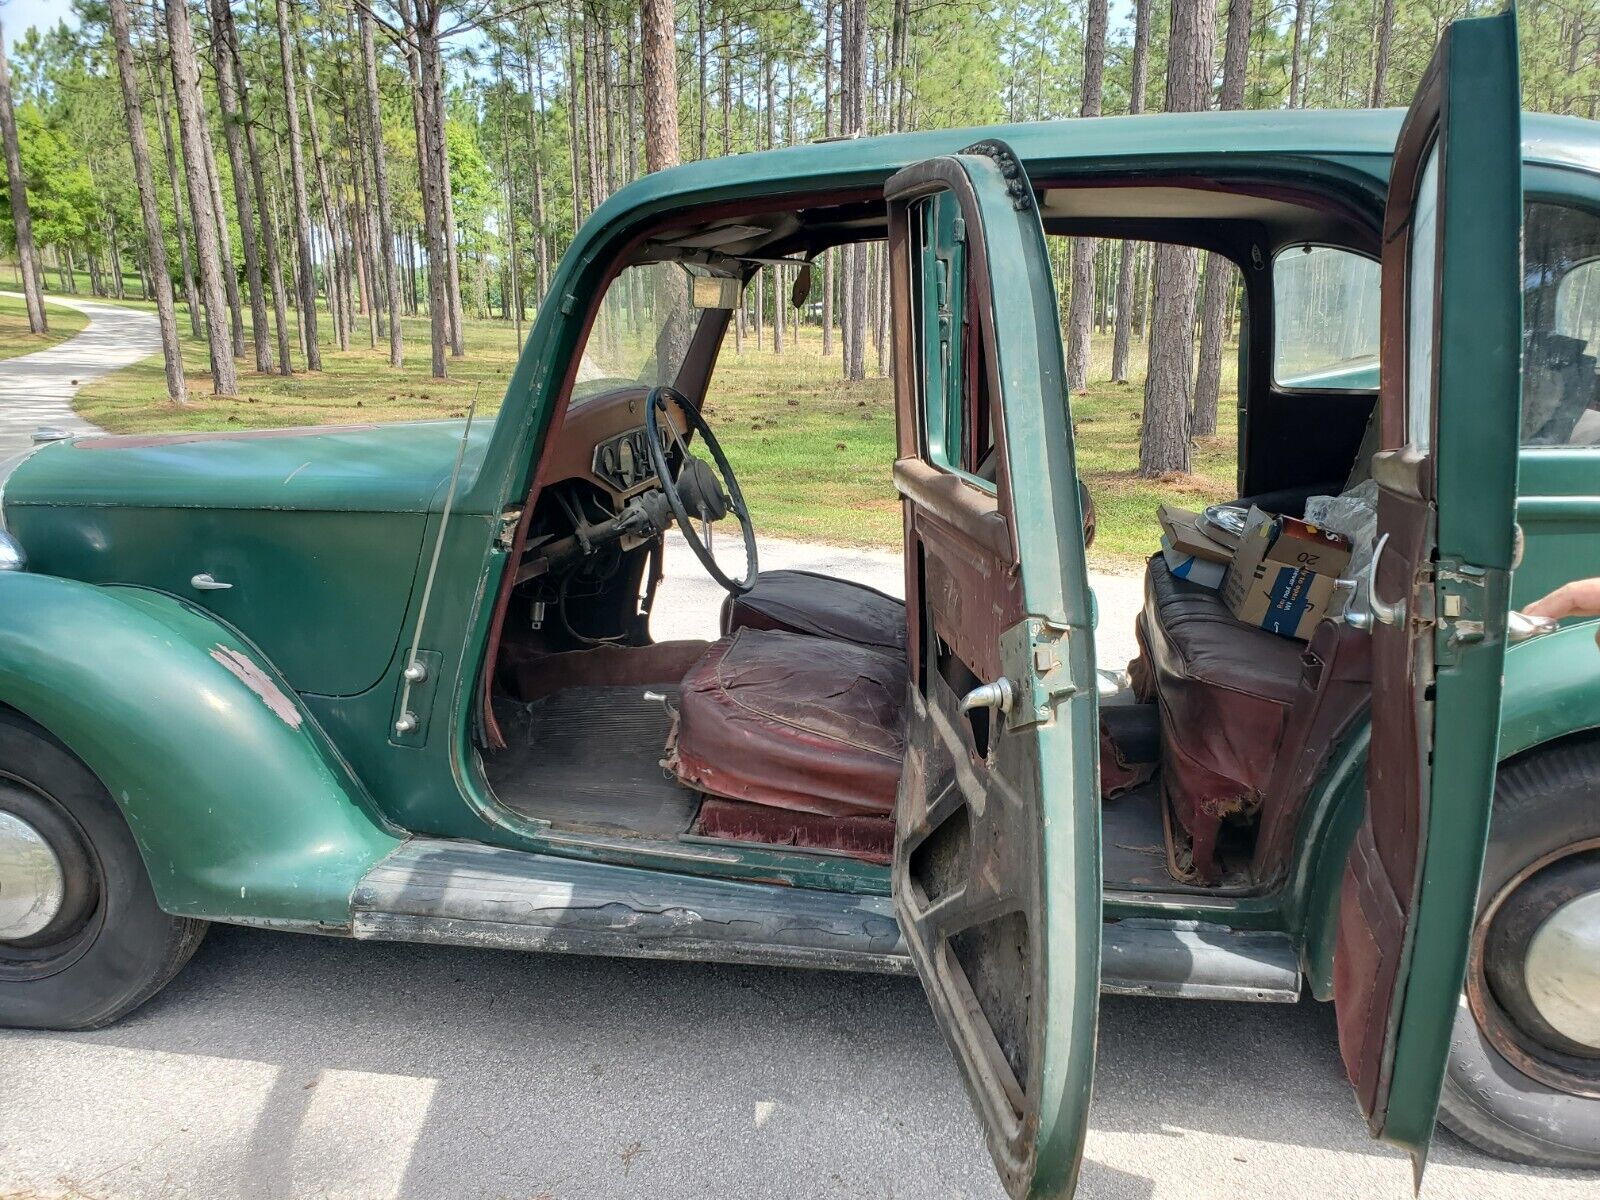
x,y
1224,689
795,722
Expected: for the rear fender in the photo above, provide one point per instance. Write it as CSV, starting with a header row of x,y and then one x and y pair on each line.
x,y
241,807
1552,691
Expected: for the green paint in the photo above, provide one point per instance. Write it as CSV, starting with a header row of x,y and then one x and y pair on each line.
x,y
239,804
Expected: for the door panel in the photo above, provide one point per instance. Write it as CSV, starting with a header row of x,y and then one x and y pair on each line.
x,y
1449,418
997,859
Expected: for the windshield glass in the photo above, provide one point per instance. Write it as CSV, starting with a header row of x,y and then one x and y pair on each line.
x,y
641,333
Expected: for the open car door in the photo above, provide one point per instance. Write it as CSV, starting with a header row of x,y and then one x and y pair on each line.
x,y
997,853
1450,400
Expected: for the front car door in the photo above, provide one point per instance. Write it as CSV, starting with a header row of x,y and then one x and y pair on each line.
x,y
997,855
1450,398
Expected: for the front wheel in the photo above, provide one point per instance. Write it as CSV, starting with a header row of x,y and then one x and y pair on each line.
x,y
82,940
1523,1080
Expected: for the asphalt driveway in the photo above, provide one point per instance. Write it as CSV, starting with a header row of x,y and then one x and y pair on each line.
x,y
282,1065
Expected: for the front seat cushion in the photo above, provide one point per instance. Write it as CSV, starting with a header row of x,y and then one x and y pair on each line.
x,y
794,722
822,606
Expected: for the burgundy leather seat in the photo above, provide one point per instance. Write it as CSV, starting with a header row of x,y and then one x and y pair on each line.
x,y
1225,690
792,721
822,606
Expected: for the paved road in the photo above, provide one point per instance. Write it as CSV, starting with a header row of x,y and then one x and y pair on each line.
x,y
288,1066
37,389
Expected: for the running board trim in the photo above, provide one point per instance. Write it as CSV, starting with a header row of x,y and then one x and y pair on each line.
x,y
463,893
1191,960
468,894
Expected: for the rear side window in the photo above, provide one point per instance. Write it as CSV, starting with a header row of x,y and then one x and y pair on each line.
x,y
1561,320
1324,319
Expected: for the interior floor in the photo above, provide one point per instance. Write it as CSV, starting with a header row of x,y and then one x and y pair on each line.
x,y
1134,848
591,757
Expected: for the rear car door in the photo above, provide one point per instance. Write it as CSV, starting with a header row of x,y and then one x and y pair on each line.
x,y
1450,397
997,852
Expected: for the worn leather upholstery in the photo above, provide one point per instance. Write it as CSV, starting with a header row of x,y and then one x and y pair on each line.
x,y
1225,690
792,721
820,605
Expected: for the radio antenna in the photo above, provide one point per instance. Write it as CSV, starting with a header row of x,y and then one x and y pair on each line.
x,y
415,671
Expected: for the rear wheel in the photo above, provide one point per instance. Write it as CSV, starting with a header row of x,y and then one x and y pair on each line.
x,y
1523,1081
82,941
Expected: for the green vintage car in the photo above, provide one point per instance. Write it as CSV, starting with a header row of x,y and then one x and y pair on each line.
x,y
399,682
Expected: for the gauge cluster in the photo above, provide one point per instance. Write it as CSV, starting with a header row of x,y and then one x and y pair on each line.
x,y
623,462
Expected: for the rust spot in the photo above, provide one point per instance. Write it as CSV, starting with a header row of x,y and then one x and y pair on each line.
x,y
259,682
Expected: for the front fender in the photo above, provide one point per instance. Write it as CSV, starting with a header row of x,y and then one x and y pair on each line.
x,y
1551,691
242,809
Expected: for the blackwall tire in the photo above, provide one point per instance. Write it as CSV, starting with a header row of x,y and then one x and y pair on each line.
x,y
109,947
1545,802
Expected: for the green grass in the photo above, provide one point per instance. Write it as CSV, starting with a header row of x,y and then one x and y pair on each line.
x,y
15,337
813,452
354,385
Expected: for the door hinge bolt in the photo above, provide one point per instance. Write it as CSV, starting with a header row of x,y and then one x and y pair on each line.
x,y
407,723
415,673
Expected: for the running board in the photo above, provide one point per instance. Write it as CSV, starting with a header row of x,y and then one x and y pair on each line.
x,y
468,894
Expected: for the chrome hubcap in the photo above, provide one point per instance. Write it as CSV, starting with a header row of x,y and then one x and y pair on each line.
x,y
1563,969
32,884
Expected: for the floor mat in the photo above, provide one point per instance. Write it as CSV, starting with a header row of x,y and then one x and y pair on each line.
x,y
592,756
1133,847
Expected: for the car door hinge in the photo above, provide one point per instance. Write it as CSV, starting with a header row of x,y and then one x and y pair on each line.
x,y
1464,596
506,536
1034,655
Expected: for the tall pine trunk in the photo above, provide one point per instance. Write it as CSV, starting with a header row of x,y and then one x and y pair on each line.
x,y
1128,259
853,124
192,132
149,210
1080,304
1219,269
380,183
273,266
233,137
1164,437
185,262
27,252
338,295
302,209
660,69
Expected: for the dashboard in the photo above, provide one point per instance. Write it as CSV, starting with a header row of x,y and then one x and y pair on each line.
x,y
602,441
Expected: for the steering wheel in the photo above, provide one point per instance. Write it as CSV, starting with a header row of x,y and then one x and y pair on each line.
x,y
695,491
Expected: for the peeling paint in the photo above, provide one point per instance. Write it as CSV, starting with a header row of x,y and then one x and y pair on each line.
x,y
257,680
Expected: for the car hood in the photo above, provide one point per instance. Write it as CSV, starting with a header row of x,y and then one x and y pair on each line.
x,y
334,468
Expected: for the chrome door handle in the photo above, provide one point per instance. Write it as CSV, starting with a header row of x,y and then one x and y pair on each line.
x,y
205,583
1380,612
997,695
1521,626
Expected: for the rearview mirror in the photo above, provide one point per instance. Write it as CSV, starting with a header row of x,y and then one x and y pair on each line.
x,y
714,291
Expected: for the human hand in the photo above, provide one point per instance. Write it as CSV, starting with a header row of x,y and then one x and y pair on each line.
x,y
1580,598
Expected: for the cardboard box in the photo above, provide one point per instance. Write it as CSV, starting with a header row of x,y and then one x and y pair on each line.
x,y
1202,571
1181,526
1281,577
